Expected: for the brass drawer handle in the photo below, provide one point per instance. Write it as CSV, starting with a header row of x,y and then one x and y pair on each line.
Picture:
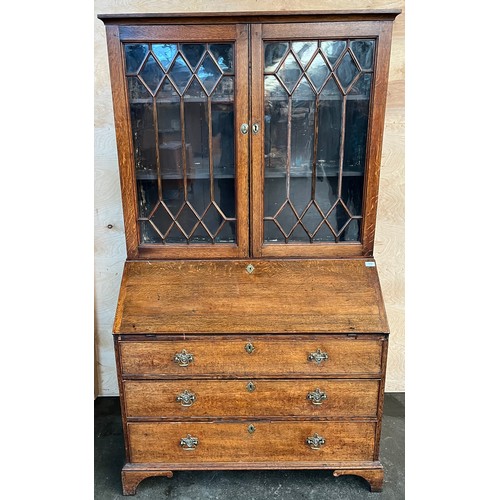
x,y
186,398
183,358
317,396
315,442
318,356
189,443
249,348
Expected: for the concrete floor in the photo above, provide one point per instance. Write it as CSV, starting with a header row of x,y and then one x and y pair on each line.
x,y
109,457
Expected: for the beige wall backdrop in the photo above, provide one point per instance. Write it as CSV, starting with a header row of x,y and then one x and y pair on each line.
x,y
110,241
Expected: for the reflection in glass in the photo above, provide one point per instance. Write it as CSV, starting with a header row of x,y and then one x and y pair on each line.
x,y
318,71
184,142
290,72
152,74
273,54
165,53
208,74
193,52
302,145
347,70
223,54
134,55
333,49
304,50
363,50
180,73
315,140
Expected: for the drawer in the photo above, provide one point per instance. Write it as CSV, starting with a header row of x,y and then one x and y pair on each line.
x,y
179,442
248,398
233,358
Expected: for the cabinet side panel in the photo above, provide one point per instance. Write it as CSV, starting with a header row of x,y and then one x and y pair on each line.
x,y
375,135
123,140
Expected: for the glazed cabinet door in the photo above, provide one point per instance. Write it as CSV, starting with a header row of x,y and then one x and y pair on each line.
x,y
180,96
318,94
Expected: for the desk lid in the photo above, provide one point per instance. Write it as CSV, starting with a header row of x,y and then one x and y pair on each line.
x,y
228,297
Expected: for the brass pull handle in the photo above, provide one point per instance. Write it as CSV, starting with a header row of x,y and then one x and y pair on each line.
x,y
183,358
186,398
318,356
316,397
189,443
315,442
249,348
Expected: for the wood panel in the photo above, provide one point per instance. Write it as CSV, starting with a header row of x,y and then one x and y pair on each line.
x,y
232,398
230,359
322,296
231,442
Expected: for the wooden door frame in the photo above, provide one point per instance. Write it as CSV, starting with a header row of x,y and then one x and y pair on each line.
x,y
381,31
236,33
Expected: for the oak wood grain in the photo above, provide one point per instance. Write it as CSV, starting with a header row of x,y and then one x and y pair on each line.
x,y
232,398
229,358
374,477
232,442
336,296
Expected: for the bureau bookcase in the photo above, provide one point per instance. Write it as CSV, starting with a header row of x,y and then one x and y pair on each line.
x,y
250,330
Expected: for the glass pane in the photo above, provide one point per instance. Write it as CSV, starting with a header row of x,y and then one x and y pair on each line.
x,y
304,50
287,219
183,194
165,52
148,233
193,52
180,73
356,128
223,55
227,233
147,196
363,50
328,147
311,124
209,74
333,49
134,55
224,90
273,54
143,135
275,145
312,219
290,72
352,231
169,133
318,71
347,70
338,218
223,139
272,234
152,74
136,89
175,236
213,220
162,220
302,145
197,154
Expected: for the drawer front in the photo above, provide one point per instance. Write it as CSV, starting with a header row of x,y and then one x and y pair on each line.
x,y
179,442
255,357
248,398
